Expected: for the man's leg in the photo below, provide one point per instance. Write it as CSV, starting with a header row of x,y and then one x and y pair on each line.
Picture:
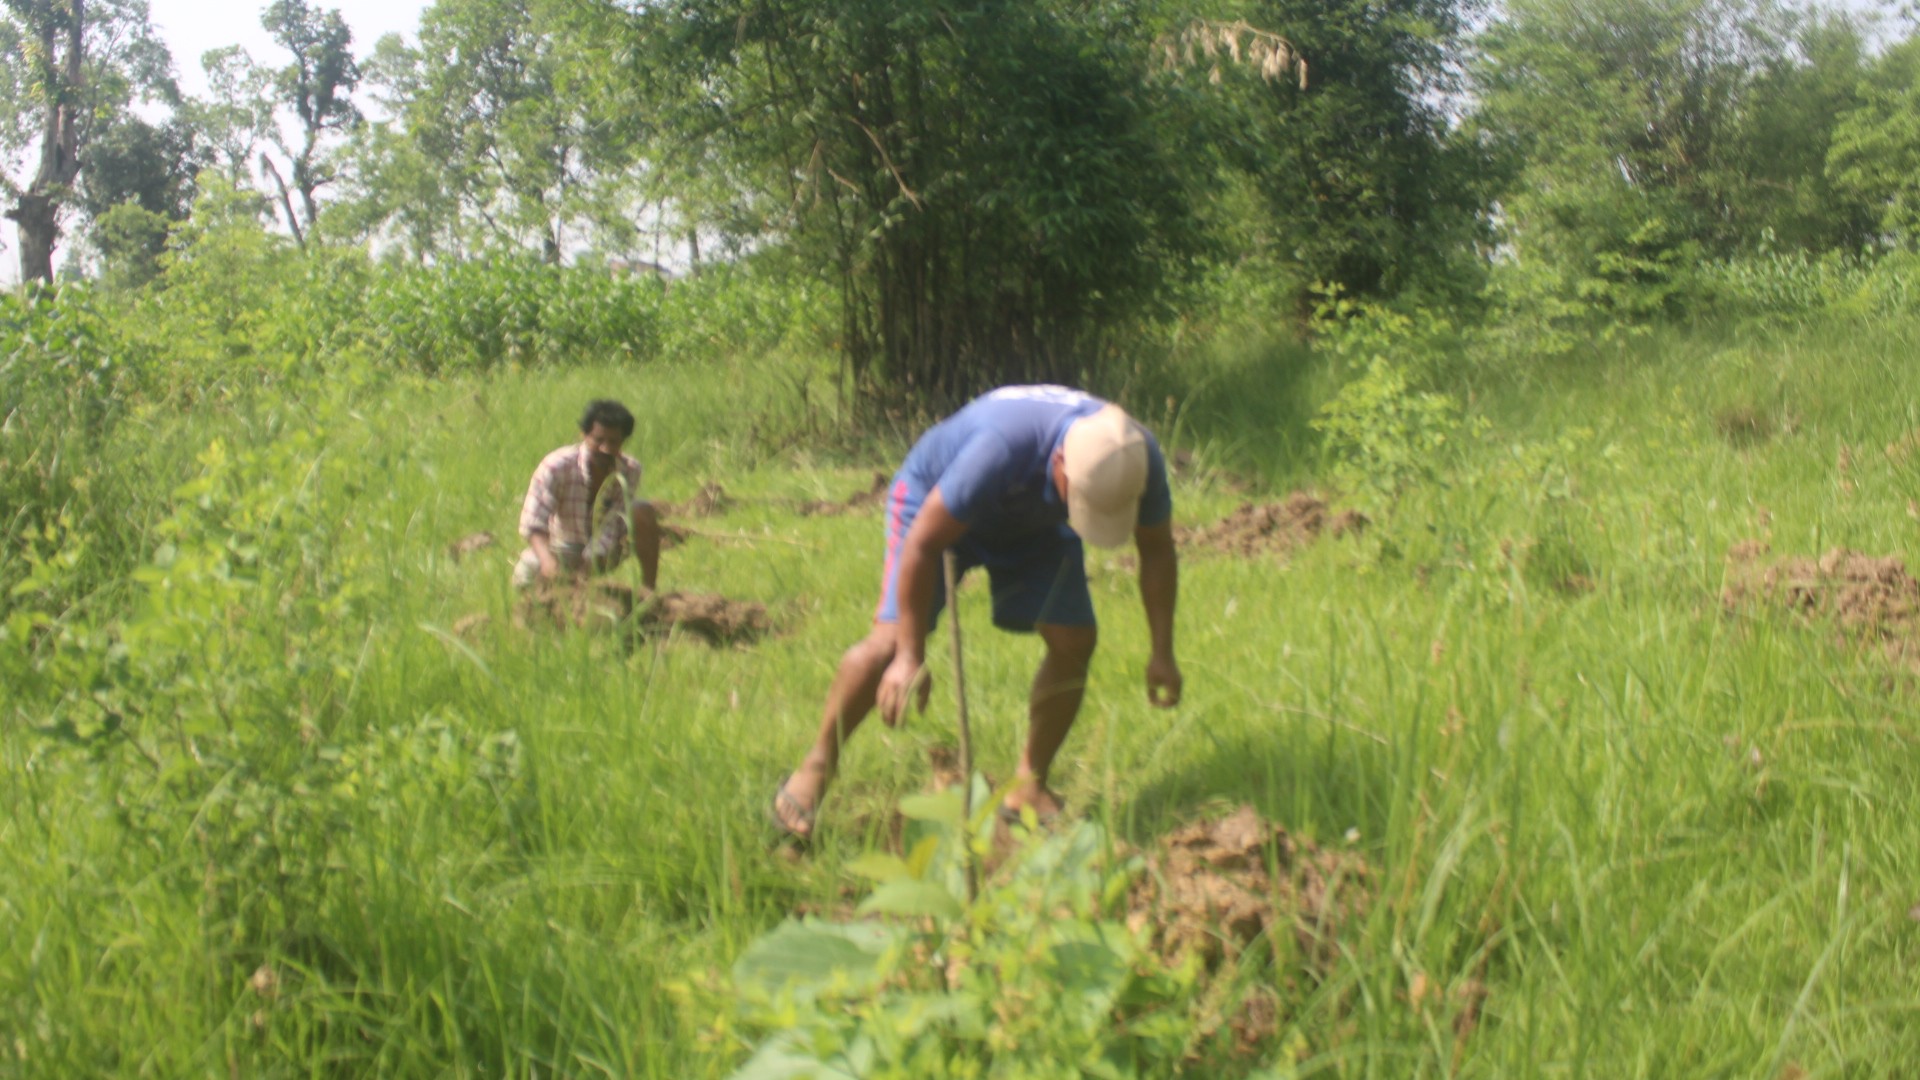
x,y
849,700
1051,709
646,543
857,681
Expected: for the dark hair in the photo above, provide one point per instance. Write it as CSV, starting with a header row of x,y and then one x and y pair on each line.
x,y
609,414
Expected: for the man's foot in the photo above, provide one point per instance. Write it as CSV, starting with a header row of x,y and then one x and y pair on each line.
x,y
796,803
1031,794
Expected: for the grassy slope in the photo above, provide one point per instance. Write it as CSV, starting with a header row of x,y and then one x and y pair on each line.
x,y
1559,789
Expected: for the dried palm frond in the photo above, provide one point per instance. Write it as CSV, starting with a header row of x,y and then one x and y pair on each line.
x,y
1204,42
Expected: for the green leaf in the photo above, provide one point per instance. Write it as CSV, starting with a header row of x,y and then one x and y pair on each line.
x,y
810,956
943,807
962,1015
880,866
922,855
1091,976
785,1056
907,897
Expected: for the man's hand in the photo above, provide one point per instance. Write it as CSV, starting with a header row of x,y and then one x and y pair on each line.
x,y
549,566
1159,589
1163,681
904,676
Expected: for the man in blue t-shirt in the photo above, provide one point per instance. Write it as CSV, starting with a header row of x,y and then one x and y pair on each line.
x,y
1012,482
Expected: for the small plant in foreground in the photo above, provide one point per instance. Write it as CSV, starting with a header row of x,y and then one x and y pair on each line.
x,y
1044,974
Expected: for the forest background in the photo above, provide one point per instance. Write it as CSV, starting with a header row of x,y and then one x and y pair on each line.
x,y
1583,305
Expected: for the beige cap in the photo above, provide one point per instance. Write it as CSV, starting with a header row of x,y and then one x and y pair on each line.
x,y
1106,464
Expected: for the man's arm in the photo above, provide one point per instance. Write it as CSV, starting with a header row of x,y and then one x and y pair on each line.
x,y
1159,593
542,550
934,530
536,515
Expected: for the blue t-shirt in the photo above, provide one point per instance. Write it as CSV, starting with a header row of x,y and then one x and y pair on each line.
x,y
993,463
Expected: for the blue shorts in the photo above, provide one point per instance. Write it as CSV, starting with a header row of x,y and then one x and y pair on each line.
x,y
1038,579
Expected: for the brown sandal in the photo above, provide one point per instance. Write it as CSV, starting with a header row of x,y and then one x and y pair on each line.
x,y
782,801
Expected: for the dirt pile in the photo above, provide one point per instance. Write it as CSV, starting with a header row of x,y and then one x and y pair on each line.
x,y
1872,601
621,609
1272,528
467,545
1215,887
873,495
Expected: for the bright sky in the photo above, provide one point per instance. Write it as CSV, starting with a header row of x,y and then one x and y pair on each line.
x,y
191,27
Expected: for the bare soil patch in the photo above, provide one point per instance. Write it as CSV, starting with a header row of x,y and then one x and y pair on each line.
x,y
1273,528
1217,887
1870,601
1744,425
467,545
1212,888
623,610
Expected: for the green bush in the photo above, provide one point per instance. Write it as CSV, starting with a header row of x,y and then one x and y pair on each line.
x,y
1040,975
1385,429
1795,285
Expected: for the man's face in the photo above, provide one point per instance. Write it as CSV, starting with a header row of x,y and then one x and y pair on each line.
x,y
603,446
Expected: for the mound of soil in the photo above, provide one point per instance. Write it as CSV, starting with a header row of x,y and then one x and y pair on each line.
x,y
710,500
1872,601
615,608
874,495
1212,888
714,619
1272,528
467,545
1215,887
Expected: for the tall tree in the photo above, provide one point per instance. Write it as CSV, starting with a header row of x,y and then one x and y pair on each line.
x,y
482,103
1658,132
317,84
137,184
981,184
1359,178
237,113
1876,149
69,66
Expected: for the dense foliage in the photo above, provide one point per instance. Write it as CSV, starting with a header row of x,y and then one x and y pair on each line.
x,y
1013,191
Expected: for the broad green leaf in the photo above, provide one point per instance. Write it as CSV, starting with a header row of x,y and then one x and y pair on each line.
x,y
880,866
786,1057
810,956
908,897
942,807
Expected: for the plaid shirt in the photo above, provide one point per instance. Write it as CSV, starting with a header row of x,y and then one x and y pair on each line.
x,y
557,497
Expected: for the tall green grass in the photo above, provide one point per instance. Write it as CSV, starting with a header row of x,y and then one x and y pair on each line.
x,y
1666,839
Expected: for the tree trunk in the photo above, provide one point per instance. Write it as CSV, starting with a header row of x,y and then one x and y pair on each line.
x,y
37,217
286,200
37,209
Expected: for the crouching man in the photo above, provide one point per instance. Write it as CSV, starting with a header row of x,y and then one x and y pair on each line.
x,y
1015,482
557,518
